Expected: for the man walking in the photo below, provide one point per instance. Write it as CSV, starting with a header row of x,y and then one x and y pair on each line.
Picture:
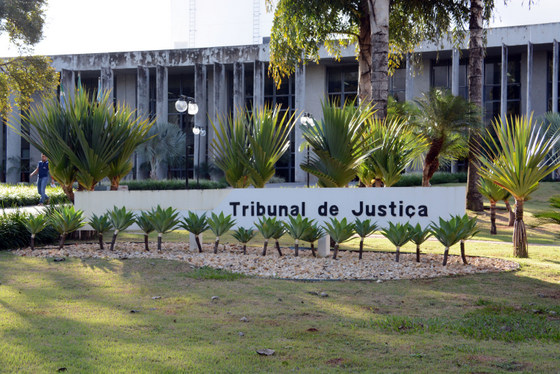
x,y
43,179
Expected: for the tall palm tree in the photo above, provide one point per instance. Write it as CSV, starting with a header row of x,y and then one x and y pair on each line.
x,y
516,159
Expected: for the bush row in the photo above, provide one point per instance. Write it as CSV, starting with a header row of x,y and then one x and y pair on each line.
x,y
415,179
13,233
172,184
12,195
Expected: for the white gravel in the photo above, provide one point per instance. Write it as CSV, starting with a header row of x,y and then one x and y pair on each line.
x,y
374,265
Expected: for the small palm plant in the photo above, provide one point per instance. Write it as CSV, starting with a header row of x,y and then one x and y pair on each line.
x,y
244,236
267,228
296,227
163,221
364,228
279,231
35,224
493,193
419,236
143,221
101,224
468,230
65,220
120,219
313,233
399,234
448,233
220,224
339,231
195,224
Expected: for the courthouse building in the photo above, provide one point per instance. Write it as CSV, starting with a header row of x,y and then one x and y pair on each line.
x,y
520,77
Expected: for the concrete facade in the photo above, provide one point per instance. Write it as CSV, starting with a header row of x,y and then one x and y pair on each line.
x,y
224,78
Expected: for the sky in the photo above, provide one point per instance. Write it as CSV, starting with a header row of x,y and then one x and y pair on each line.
x,y
91,26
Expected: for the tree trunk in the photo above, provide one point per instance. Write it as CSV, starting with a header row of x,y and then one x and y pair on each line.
x,y
361,248
445,254
198,244
216,245
278,248
101,244
244,248
398,253
32,242
335,251
69,192
463,256
159,237
511,213
264,247
115,181
519,232
62,239
431,162
417,252
296,247
373,58
146,247
493,230
114,239
476,62
313,249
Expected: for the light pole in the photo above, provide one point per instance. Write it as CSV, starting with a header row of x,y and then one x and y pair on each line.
x,y
198,133
187,104
307,120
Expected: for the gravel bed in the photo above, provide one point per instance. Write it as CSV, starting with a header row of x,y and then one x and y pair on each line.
x,y
374,265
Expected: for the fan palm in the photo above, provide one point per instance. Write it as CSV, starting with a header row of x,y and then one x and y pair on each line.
x,y
163,221
363,229
339,231
195,224
448,232
493,193
65,220
100,224
337,143
121,219
445,120
399,234
220,224
296,227
313,233
35,224
244,236
516,159
418,236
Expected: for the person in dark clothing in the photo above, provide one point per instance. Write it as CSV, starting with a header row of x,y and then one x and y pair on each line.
x,y
43,179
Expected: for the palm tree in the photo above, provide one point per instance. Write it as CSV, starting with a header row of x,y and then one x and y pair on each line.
x,y
121,219
167,143
35,224
493,193
296,228
516,159
313,233
220,224
244,236
337,143
65,220
399,234
339,231
101,224
419,236
445,120
448,233
195,224
363,229
143,221
163,221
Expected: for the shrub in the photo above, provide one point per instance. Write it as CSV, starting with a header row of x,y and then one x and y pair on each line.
x,y
172,184
14,234
12,195
415,179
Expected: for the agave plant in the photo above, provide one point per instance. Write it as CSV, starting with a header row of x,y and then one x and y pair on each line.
x,y
339,231
516,159
468,230
448,233
399,234
35,224
163,221
100,224
296,227
337,143
65,220
418,237
267,228
364,228
279,231
120,219
220,224
313,233
143,221
243,236
195,224
493,193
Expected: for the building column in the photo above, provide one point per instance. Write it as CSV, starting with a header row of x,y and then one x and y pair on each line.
x,y
201,98
162,89
238,88
455,72
529,78
258,84
107,82
13,145
554,76
504,83
67,83
409,82
299,174
142,110
219,89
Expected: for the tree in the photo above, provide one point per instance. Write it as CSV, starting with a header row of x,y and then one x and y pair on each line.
x,y
22,76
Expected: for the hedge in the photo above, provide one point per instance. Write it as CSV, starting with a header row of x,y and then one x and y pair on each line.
x,y
415,179
15,195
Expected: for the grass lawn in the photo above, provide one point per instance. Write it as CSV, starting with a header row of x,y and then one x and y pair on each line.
x,y
78,315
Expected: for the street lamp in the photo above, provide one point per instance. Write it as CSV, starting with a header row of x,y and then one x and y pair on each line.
x,y
198,133
187,104
307,120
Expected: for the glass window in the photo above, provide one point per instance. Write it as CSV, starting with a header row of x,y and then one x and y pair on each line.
x,y
493,87
342,83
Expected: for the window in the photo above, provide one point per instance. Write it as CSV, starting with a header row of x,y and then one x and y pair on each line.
x,y
397,85
342,84
492,88
442,75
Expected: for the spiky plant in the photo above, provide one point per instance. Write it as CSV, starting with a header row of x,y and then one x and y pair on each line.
x,y
163,221
339,231
220,224
195,224
448,232
279,231
100,224
35,224
364,228
267,228
551,216
313,233
419,236
493,193
143,221
65,220
399,234
468,230
243,236
296,227
121,219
